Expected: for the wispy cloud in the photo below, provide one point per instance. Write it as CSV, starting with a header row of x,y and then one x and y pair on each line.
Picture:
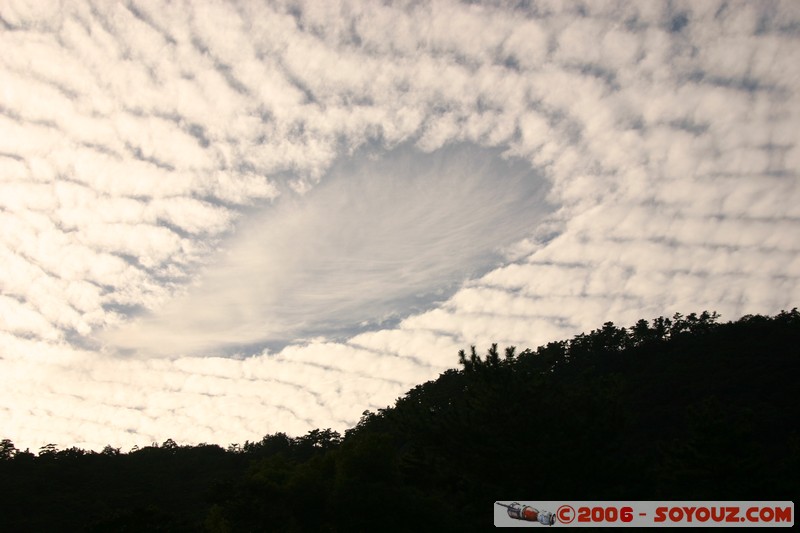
x,y
384,235
326,181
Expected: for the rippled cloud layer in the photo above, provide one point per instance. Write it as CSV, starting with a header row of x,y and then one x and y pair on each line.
x,y
342,194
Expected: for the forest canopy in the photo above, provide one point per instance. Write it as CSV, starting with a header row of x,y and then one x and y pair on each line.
x,y
679,408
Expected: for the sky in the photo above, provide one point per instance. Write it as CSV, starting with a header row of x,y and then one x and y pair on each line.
x,y
220,220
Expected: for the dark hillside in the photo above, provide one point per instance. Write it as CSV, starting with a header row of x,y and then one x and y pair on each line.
x,y
677,409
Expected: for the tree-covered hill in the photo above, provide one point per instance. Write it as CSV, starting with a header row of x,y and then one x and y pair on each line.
x,y
677,409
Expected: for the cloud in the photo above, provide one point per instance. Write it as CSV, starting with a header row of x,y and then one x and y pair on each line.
x,y
383,235
318,190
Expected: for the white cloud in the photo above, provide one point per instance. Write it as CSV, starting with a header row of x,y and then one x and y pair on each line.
x,y
245,172
373,241
18,318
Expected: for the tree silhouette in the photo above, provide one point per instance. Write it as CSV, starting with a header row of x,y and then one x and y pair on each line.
x,y
7,450
678,408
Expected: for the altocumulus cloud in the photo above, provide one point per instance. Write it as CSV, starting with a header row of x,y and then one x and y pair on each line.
x,y
219,220
377,239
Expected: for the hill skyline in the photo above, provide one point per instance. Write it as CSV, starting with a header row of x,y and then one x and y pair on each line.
x,y
677,409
